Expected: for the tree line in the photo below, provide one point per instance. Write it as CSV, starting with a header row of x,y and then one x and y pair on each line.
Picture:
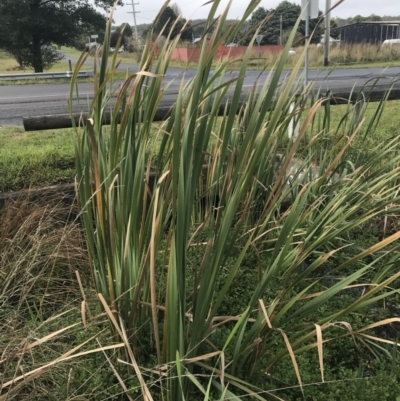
x,y
360,18
29,29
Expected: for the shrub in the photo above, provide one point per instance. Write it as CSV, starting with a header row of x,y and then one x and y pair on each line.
x,y
50,57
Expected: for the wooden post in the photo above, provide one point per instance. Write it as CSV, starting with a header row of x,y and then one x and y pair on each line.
x,y
327,33
37,123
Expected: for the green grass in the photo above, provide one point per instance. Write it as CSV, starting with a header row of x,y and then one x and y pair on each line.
x,y
47,157
9,66
388,126
35,158
40,158
70,52
383,64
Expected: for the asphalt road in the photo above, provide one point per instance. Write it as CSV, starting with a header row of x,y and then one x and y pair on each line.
x,y
17,101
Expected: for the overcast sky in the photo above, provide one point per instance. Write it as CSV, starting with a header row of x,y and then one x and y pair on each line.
x,y
192,9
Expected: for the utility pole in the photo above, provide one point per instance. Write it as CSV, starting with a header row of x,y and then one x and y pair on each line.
x,y
280,30
308,12
327,37
259,38
134,12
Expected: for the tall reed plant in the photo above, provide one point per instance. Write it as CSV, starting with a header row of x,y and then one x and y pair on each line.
x,y
170,232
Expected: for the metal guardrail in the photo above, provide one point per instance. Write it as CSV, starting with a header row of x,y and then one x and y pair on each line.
x,y
44,75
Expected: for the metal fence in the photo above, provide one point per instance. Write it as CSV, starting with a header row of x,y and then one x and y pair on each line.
x,y
44,75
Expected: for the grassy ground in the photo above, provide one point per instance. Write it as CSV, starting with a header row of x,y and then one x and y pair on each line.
x,y
48,312
41,258
70,52
345,56
388,127
357,56
267,62
35,158
47,157
9,66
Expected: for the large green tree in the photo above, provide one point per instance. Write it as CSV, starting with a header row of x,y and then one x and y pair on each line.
x,y
126,36
29,26
290,12
171,24
257,20
128,31
335,31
